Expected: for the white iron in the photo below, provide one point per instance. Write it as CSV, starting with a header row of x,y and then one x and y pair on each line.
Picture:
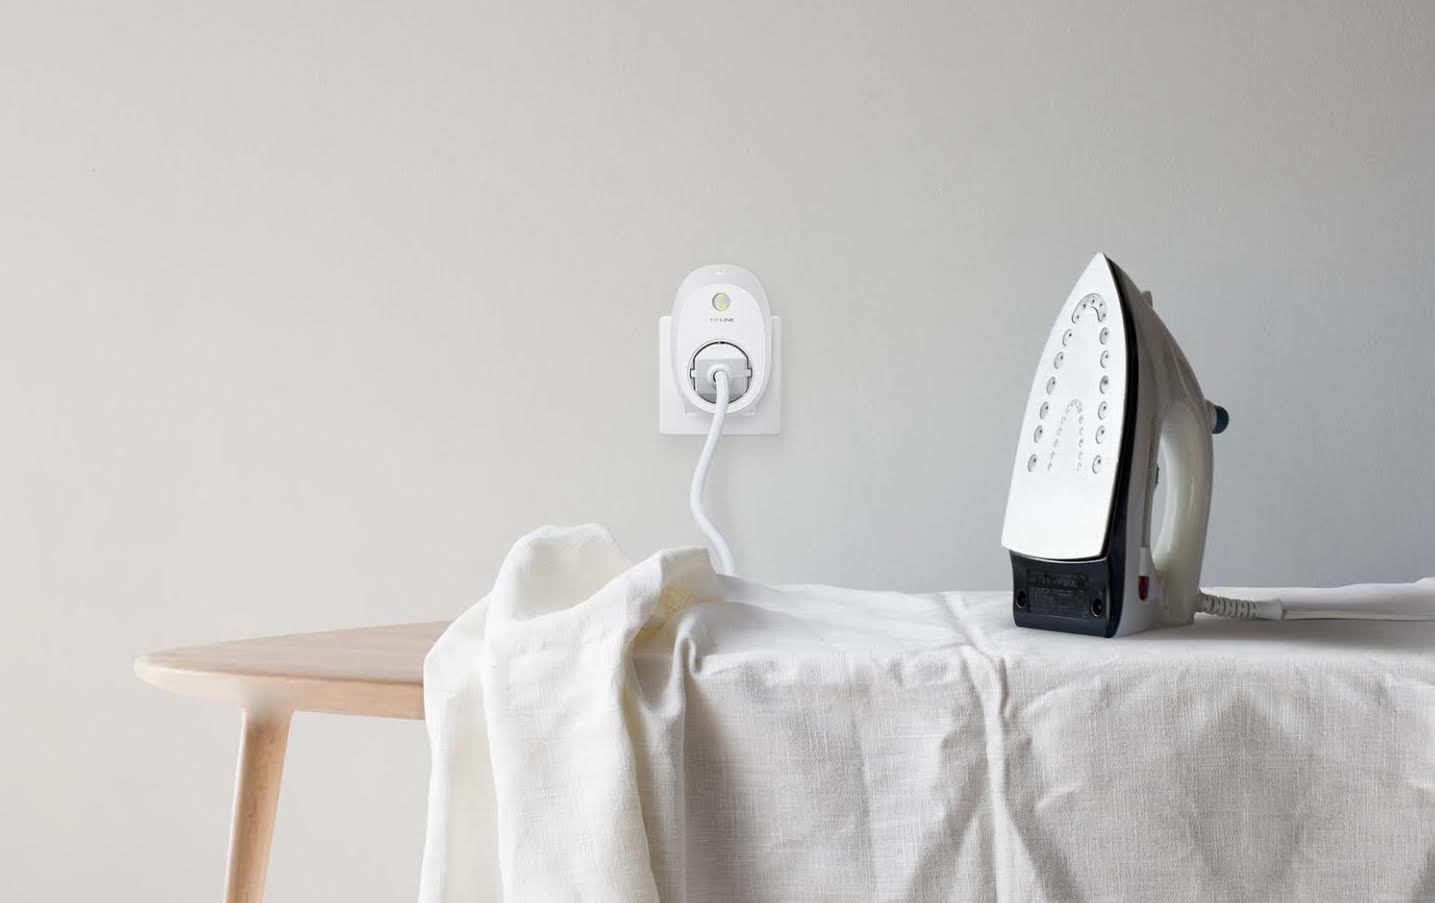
x,y
1112,385
1112,395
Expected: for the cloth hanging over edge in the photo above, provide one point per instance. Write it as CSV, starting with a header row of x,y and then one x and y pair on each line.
x,y
579,714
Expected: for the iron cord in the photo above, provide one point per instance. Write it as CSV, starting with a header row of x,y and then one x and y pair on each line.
x,y
1358,602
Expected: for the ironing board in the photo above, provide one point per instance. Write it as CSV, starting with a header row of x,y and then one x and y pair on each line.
x,y
375,671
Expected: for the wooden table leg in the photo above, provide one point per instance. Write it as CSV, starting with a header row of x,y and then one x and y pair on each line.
x,y
256,795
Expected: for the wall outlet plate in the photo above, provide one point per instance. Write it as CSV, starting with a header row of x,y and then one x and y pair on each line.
x,y
679,416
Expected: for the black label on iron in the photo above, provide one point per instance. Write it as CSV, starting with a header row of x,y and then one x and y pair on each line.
x,y
1060,593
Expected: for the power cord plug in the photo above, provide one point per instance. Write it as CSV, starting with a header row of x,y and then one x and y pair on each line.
x,y
720,355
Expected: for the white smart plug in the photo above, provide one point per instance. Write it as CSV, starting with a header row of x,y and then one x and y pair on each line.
x,y
720,317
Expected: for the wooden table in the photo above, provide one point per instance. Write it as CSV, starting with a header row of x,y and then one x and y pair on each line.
x,y
374,671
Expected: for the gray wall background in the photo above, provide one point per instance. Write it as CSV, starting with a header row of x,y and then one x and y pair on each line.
x,y
309,310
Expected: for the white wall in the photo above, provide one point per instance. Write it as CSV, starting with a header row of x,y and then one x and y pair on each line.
x,y
307,310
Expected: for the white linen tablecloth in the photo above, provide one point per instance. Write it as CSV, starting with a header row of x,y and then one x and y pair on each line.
x,y
602,731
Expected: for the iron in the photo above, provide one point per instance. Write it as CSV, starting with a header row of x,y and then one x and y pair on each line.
x,y
1114,401
1111,394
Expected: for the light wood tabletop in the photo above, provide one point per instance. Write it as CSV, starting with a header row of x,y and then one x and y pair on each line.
x,y
376,671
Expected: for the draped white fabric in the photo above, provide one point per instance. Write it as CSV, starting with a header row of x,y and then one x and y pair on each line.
x,y
602,731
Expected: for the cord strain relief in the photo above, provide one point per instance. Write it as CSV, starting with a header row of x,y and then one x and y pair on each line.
x,y
1241,609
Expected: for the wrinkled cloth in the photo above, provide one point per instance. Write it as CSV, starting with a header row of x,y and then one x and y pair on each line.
x,y
605,731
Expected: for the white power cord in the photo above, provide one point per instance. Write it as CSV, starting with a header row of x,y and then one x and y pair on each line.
x,y
719,376
1360,602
